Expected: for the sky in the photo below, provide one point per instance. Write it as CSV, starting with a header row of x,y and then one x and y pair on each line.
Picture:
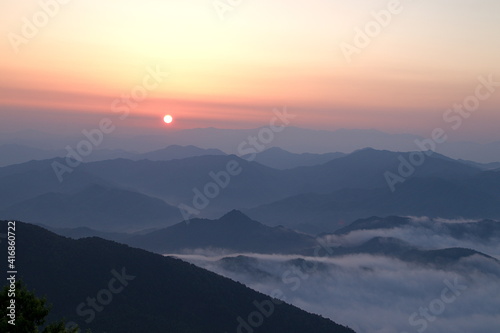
x,y
65,65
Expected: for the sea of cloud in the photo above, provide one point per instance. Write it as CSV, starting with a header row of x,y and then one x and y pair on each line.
x,y
378,294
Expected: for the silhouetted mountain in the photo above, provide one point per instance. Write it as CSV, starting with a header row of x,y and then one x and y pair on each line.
x,y
481,231
443,257
98,207
474,198
28,180
177,181
108,154
366,168
345,188
243,265
482,166
375,222
233,232
177,152
29,189
278,158
84,232
292,139
15,154
393,247
109,287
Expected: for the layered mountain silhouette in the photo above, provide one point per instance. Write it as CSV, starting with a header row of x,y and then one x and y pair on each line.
x,y
366,168
85,232
483,230
233,232
177,181
175,152
396,248
16,154
292,139
31,179
99,207
449,258
236,233
318,198
278,158
448,190
109,287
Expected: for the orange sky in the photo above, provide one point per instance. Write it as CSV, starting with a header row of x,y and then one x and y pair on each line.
x,y
231,72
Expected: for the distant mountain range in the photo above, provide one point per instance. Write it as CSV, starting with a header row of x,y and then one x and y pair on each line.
x,y
273,157
137,291
15,154
293,139
126,195
98,207
313,212
441,187
278,158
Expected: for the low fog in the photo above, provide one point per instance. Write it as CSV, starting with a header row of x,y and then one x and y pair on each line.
x,y
433,236
377,294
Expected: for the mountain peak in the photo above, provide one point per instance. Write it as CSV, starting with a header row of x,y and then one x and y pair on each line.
x,y
371,150
184,284
235,216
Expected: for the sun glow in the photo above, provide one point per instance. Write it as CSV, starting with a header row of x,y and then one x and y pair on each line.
x,y
168,119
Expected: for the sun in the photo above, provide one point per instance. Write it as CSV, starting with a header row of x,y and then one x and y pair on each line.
x,y
168,119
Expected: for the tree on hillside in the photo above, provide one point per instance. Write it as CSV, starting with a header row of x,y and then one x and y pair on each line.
x,y
30,312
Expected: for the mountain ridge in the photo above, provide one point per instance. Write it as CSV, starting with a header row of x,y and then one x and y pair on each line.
x,y
151,293
233,232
